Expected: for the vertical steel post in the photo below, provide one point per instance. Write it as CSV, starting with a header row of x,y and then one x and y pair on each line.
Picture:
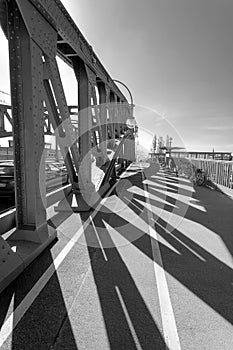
x,y
85,128
103,116
133,145
58,91
2,121
26,72
102,145
117,117
129,142
112,114
111,126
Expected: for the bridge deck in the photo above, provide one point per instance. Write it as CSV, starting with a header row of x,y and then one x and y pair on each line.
x,y
152,265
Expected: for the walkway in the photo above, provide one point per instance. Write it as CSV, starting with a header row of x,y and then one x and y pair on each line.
x,y
150,268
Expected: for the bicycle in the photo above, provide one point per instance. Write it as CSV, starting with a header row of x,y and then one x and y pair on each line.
x,y
200,177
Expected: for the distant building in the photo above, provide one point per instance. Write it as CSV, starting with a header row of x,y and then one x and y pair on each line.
x,y
227,156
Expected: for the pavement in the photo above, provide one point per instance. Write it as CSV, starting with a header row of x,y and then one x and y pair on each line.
x,y
150,268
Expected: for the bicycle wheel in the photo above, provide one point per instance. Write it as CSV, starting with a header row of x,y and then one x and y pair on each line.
x,y
200,179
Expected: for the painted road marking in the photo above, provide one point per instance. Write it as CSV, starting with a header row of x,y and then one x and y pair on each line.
x,y
131,327
98,238
170,332
15,317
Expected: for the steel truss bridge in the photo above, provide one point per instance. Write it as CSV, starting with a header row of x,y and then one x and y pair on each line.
x,y
38,31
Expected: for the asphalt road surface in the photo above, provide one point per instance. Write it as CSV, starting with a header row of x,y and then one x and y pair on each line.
x,y
150,268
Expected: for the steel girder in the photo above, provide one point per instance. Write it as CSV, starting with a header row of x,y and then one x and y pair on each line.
x,y
5,115
38,30
45,24
71,42
26,72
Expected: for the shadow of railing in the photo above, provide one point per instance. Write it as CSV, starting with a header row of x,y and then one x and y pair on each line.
x,y
128,320
33,312
213,275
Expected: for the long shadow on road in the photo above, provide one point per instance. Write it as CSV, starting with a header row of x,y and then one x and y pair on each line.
x,y
34,326
128,320
195,266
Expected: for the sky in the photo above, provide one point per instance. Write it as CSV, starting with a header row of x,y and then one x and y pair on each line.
x,y
174,55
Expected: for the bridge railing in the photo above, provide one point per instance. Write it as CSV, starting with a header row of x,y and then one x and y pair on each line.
x,y
219,172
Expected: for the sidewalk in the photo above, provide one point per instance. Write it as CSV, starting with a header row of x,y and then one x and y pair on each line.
x,y
151,268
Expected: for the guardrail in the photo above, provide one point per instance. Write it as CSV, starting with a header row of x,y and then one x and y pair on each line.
x,y
219,172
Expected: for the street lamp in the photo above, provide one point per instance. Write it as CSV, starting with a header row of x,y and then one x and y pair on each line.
x,y
131,97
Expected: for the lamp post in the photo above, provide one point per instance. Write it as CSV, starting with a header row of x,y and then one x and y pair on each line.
x,y
131,105
131,97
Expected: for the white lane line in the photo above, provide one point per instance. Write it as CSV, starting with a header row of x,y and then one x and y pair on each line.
x,y
15,317
131,327
168,319
98,238
25,304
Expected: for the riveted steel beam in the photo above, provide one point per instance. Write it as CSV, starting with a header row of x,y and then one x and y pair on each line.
x,y
110,129
7,115
26,74
115,114
120,116
102,157
38,28
5,134
111,111
69,34
103,114
2,120
45,36
3,116
59,131
26,71
56,83
3,17
85,125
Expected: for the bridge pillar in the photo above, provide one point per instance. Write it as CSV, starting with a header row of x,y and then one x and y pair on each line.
x,y
26,72
132,149
133,146
101,156
117,117
112,114
103,115
85,126
32,234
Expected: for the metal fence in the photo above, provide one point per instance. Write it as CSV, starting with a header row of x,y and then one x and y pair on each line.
x,y
219,172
